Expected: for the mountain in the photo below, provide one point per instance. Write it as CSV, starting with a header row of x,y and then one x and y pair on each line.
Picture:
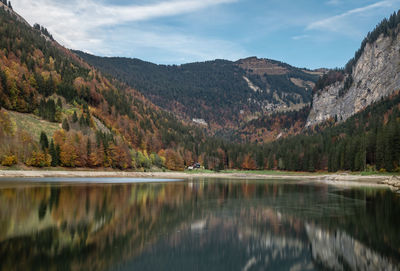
x,y
374,73
222,93
57,110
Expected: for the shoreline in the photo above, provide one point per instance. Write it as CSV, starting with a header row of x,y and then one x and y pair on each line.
x,y
333,179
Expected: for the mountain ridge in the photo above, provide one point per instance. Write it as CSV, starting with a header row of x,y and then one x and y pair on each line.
x,y
226,92
103,122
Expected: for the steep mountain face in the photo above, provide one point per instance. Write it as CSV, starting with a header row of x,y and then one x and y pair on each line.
x,y
222,93
372,75
9,9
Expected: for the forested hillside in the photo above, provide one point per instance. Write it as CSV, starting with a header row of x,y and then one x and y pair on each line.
x,y
56,110
272,127
102,123
221,92
370,140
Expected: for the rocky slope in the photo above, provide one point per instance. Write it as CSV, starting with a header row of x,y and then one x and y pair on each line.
x,y
11,11
376,74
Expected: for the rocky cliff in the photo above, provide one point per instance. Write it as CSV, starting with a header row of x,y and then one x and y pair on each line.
x,y
375,74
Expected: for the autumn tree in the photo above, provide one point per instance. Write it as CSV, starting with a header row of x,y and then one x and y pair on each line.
x,y
174,160
39,159
248,162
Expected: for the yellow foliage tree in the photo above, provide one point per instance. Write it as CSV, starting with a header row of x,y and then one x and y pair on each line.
x,y
9,160
68,155
174,160
39,159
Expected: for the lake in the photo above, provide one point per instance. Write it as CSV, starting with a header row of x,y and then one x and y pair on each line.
x,y
203,224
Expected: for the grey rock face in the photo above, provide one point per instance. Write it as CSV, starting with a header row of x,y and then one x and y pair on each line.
x,y
376,75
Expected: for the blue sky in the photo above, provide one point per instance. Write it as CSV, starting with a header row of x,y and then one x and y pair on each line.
x,y
303,33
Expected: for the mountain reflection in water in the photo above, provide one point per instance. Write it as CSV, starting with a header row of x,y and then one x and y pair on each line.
x,y
198,225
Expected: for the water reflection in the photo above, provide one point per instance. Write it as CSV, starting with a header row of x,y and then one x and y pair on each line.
x,y
198,225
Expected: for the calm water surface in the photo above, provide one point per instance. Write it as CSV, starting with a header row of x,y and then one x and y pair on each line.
x,y
197,225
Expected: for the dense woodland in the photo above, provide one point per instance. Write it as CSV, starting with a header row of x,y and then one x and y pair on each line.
x,y
214,90
104,123
270,127
370,140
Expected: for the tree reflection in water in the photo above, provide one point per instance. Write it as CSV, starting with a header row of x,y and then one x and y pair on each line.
x,y
201,225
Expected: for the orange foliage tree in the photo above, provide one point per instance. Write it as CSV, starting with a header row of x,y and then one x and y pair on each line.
x,y
248,162
174,160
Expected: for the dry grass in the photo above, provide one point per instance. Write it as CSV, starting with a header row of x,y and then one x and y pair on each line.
x,y
33,124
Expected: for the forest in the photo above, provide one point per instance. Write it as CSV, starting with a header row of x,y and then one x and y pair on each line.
x,y
368,141
213,90
101,122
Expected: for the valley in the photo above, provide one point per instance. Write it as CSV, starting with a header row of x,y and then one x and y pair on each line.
x,y
71,109
110,162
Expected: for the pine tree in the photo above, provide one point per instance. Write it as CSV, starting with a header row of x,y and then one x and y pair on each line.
x,y
260,159
390,131
59,103
82,121
74,117
65,125
271,161
88,148
380,150
52,152
396,145
58,154
44,142
311,164
371,147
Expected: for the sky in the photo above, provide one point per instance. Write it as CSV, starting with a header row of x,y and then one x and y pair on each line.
x,y
303,33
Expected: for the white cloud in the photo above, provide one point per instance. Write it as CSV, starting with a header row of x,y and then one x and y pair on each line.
x,y
339,22
81,24
161,45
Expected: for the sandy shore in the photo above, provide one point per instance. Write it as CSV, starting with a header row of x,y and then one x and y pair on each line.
x,y
335,179
183,175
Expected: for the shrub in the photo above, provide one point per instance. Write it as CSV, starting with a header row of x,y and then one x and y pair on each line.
x,y
39,159
9,160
